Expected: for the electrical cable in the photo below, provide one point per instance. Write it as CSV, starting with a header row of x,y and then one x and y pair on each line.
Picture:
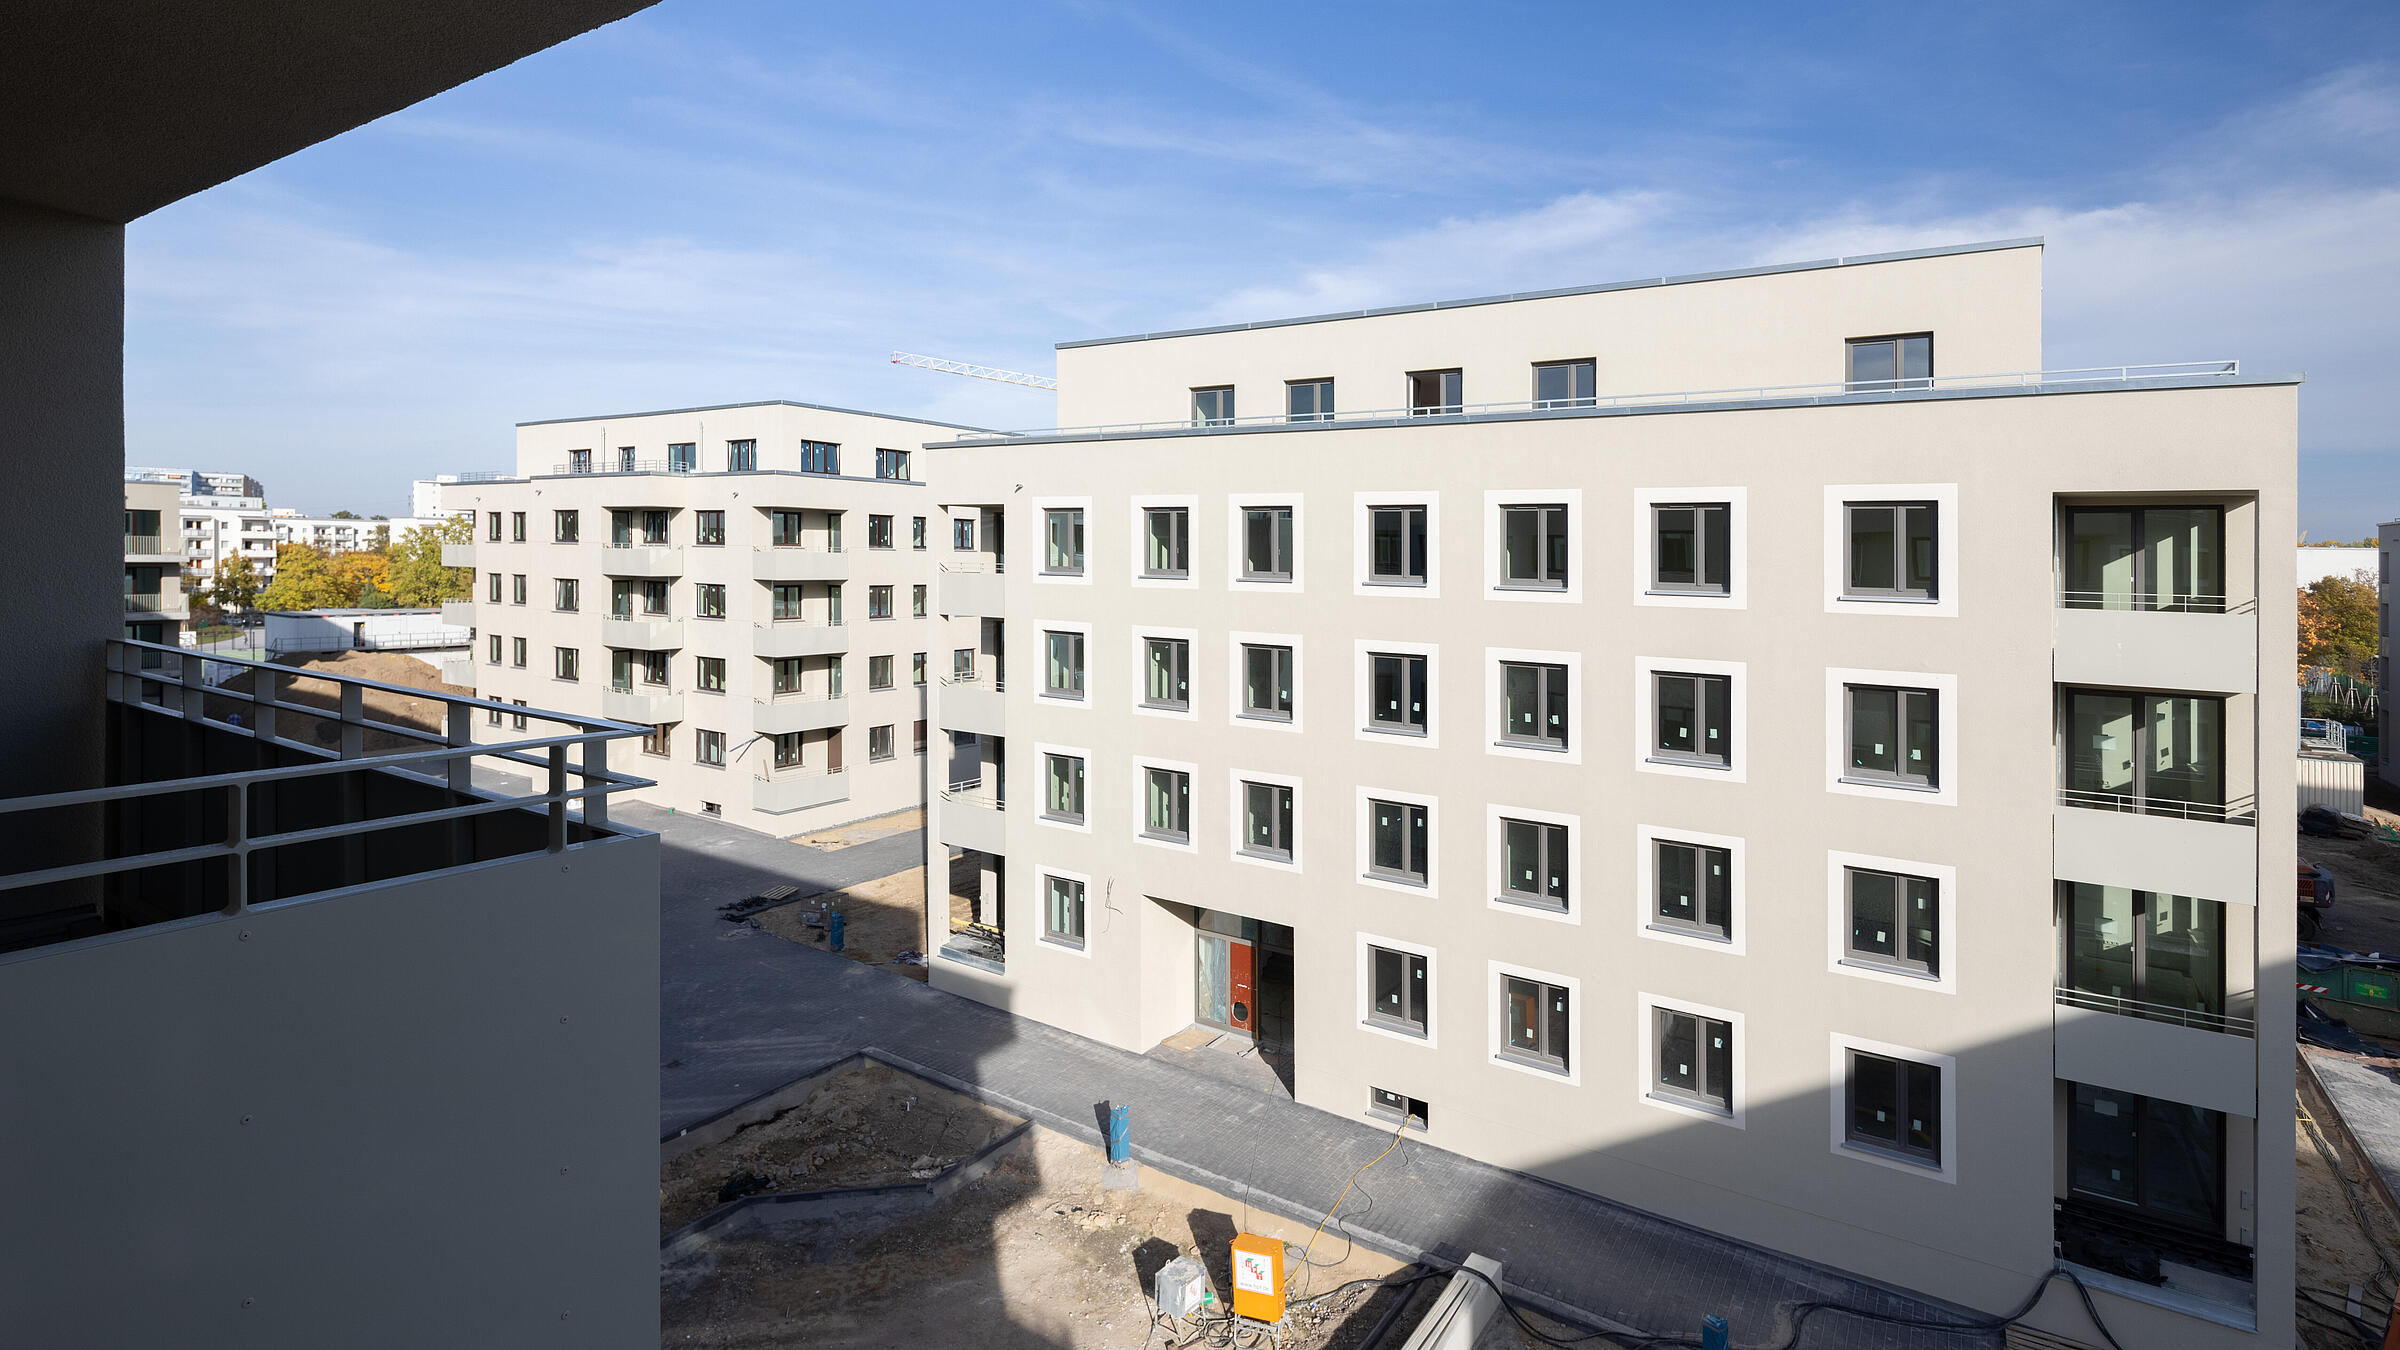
x,y
1305,1264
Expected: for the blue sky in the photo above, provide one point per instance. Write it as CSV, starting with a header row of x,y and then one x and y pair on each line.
x,y
709,203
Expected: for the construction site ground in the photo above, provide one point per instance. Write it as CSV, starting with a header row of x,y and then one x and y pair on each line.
x,y
882,917
2338,1248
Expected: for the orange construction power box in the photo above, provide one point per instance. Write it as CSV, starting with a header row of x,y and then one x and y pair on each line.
x,y
1258,1278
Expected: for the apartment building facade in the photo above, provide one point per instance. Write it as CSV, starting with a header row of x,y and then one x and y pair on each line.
x,y
1824,808
155,605
751,582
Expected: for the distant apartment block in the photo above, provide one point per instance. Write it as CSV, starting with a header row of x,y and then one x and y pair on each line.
x,y
330,534
1755,746
751,583
155,605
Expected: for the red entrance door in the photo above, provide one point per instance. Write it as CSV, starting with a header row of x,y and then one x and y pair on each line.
x,y
1244,1007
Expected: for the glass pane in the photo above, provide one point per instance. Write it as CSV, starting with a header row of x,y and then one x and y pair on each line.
x,y
2183,557
1677,714
2184,953
1554,859
1258,542
1521,857
1678,546
1521,551
1718,1083
1524,1015
1554,545
1390,845
1924,1109
1873,924
2181,1149
1872,362
1921,920
1918,549
1678,901
2100,561
1716,877
1874,730
1921,742
1678,1053
1717,717
1520,709
1215,981
2100,746
1555,1027
1716,538
1916,358
1874,1099
1553,383
2184,763
2102,1143
1283,542
1871,548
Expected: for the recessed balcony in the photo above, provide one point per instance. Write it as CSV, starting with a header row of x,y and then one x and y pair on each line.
x,y
641,633
973,817
787,713
641,560
799,562
780,790
968,589
2202,649
2180,1056
141,605
800,637
640,707
150,548
971,703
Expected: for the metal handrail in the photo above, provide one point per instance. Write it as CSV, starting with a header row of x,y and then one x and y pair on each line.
x,y
973,677
145,544
373,642
769,773
805,546
799,622
633,544
1828,389
2156,1012
965,561
155,602
802,696
2240,811
2154,602
639,466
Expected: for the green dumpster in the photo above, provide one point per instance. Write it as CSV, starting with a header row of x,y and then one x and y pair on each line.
x,y
2373,988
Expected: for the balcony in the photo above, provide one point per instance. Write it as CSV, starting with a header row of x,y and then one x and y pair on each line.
x,y
458,613
458,555
641,560
2177,848
796,637
787,713
969,588
141,605
150,548
2199,1059
973,817
971,703
779,790
641,633
799,562
2199,649
640,707
459,671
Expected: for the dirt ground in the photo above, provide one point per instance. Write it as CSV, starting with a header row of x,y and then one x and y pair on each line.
x,y
2366,873
860,831
868,1126
1036,1254
427,714
2334,1253
880,919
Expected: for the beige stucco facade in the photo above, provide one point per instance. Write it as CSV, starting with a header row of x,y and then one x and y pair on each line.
x,y
1975,1225
853,626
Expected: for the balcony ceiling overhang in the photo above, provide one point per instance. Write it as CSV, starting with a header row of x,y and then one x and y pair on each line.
x,y
114,108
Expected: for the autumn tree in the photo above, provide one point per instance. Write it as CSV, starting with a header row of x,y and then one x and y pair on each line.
x,y
417,578
304,579
237,586
363,577
2338,623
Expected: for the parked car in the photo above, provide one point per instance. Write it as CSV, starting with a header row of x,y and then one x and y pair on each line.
x,y
2315,897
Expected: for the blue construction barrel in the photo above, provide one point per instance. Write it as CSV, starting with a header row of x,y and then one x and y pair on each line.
x,y
833,931
1120,1131
1713,1333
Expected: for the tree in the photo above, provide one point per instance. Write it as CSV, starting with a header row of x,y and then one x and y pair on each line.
x,y
364,578
237,588
417,578
304,579
343,515
2338,624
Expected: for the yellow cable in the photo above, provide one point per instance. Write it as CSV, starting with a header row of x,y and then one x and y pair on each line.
x,y
1354,1176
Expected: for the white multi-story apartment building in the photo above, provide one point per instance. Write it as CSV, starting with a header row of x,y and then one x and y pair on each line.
x,y
330,534
750,581
155,606
1825,808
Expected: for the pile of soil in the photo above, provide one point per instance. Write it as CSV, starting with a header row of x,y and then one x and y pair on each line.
x,y
865,1126
426,714
880,919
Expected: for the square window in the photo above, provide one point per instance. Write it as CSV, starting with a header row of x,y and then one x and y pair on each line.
x,y
1063,542
1692,1060
1062,910
1533,547
1267,543
815,456
1893,1107
1694,720
1892,736
1691,550
708,747
1399,841
962,534
1167,541
709,678
1062,666
708,599
565,662
566,527
1564,384
1534,861
1537,1021
708,529
880,744
1213,407
892,464
683,457
1267,820
879,532
879,672
879,602
1891,552
1308,400
1434,393
1062,793
1166,673
659,740
1396,996
1693,888
1895,921
1167,804
1533,705
1904,361
567,594
1397,548
1397,693
1267,682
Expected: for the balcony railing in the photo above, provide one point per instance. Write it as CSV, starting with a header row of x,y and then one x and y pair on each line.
x,y
2156,1012
153,602
974,793
144,545
2155,602
1830,391
975,678
2240,811
619,466
808,545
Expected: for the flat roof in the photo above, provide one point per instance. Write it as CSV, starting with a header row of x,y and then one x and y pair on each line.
x,y
761,403
343,613
1860,260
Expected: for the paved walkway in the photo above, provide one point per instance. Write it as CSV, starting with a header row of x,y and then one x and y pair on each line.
x,y
743,1012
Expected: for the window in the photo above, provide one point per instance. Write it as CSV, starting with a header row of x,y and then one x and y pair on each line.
x,y
1533,705
1396,693
494,588
1893,1106
659,740
654,669
879,672
494,534
563,662
1062,796
1533,863
1213,407
1063,535
892,464
656,528
916,532
1397,553
916,601
1267,682
1537,1022
708,599
516,526
880,744
1062,668
1694,889
683,457
1166,673
962,534
1891,551
2155,558
1533,548
916,669
1564,384
2162,754
566,527
625,460
879,602
654,597
1398,841
491,716
1692,1060
518,719
820,457
784,599
516,589
1167,541
2156,1157
2141,952
1396,990
1894,921
784,529
1267,820
1396,1107
1267,543
962,664
1308,400
788,748
579,461
709,677
1694,720
708,528
495,648
1900,362
1432,392
1892,736
879,532
567,594
918,736
708,747
1062,911
1691,547
516,652
1167,804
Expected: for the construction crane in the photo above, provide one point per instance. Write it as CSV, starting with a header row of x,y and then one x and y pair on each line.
x,y
970,369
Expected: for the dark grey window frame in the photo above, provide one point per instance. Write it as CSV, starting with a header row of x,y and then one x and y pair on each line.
x,y
566,595
1414,545
708,747
1582,378
1411,675
1712,549
1178,793
1900,378
1904,1094
888,734
1282,542
1552,684
1902,892
1220,415
1554,858
1319,400
1179,546
566,527
1073,809
1412,840
708,529
708,674
1397,1107
708,600
1071,517
1069,933
1702,685
1281,662
1448,391
879,672
1553,532
1905,725
1403,1008
879,532
1178,669
1711,891
1554,1024
1282,820
879,602
1051,663
1899,592
566,663
1711,1068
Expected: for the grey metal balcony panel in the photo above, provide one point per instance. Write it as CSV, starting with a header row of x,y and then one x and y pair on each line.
x,y
458,613
2213,859
2156,1059
2143,649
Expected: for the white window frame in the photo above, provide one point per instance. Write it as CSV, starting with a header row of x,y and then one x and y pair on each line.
x,y
1238,823
1142,765
1646,670
1645,880
1946,578
1041,921
1945,921
1433,842
1944,792
1495,539
1190,638
1431,1040
1362,544
1495,704
1238,502
1645,1059
1042,631
1579,887
1236,677
1737,562
1496,1021
1140,544
1041,787
1362,693
1838,1082
1039,535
